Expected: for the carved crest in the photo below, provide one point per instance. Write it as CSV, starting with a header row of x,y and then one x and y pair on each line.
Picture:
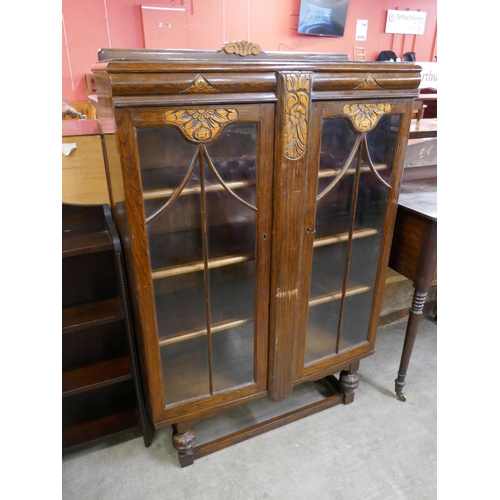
x,y
296,109
369,83
201,125
365,116
242,48
199,85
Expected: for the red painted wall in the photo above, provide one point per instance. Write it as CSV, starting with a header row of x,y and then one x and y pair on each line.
x,y
94,24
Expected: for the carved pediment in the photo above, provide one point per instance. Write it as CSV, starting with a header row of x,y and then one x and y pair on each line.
x,y
242,48
200,86
369,83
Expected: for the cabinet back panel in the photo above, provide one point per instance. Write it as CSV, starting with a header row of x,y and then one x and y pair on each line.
x,y
93,344
88,278
96,404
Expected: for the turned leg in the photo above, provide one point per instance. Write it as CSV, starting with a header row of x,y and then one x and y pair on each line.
x,y
416,311
349,380
184,439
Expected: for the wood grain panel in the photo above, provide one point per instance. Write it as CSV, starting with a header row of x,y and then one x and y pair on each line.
x,y
83,172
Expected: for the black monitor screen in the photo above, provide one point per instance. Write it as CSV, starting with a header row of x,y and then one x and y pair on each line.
x,y
323,17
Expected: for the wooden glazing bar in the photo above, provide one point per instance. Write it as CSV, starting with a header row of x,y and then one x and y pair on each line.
x,y
178,190
330,240
337,295
205,264
200,266
165,193
349,245
199,332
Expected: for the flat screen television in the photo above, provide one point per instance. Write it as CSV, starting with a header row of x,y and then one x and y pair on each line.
x,y
323,17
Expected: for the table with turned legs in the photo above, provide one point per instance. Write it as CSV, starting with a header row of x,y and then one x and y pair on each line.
x,y
414,255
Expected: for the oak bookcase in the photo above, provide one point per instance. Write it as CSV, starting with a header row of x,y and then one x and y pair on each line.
x,y
255,194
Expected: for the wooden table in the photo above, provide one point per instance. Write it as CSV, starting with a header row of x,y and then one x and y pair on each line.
x,y
84,179
426,127
426,97
414,255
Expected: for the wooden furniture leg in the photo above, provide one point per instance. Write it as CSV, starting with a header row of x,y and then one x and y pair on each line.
x,y
184,440
422,282
417,308
349,381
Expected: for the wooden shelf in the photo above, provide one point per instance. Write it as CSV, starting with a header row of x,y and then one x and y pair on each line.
x,y
338,238
235,322
182,304
101,392
239,239
167,192
78,243
101,428
95,313
185,369
236,259
199,332
182,312
332,172
329,297
200,266
209,188
95,375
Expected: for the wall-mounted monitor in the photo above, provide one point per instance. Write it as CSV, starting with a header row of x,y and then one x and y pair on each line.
x,y
323,17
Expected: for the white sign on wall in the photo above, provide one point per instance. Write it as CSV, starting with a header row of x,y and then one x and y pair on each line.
x,y
429,75
405,22
361,29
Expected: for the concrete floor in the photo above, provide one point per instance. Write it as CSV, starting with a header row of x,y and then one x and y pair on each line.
x,y
377,448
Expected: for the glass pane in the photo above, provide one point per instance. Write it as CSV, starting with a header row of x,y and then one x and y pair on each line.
x,y
356,319
234,156
382,144
232,293
333,208
328,269
371,209
332,224
180,304
175,235
333,244
165,157
231,248
233,356
185,370
322,330
202,254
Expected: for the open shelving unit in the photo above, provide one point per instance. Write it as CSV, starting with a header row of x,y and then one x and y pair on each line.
x,y
101,392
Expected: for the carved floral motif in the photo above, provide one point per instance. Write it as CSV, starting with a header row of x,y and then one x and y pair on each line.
x,y
296,110
201,125
242,48
200,85
365,116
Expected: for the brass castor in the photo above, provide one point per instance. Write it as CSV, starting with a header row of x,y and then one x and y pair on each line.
x,y
401,396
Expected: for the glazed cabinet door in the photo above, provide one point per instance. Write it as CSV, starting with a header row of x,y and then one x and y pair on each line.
x,y
353,193
198,185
